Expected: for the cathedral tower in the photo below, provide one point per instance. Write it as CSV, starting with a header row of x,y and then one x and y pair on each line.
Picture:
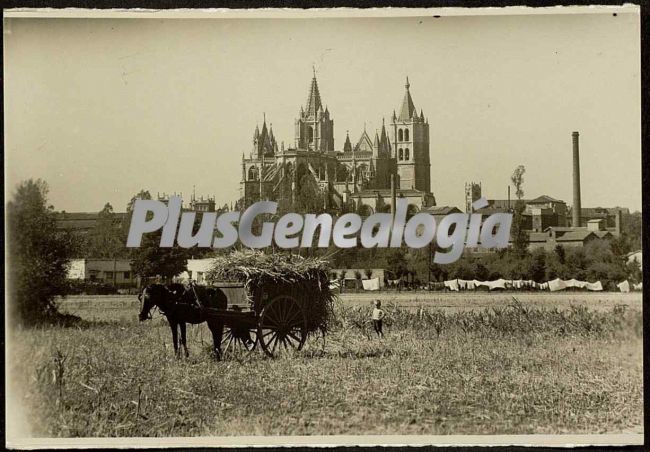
x,y
314,128
410,146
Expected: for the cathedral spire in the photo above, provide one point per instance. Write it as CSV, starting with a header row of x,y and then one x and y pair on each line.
x,y
347,147
408,110
383,138
314,103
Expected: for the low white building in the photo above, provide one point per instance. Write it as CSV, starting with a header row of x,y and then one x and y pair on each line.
x,y
110,271
197,270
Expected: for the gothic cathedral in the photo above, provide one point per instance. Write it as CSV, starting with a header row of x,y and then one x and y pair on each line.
x,y
358,177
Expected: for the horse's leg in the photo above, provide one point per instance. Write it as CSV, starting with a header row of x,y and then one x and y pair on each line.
x,y
184,339
216,328
174,326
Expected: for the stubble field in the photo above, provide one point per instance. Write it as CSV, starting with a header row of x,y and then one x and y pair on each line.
x,y
550,365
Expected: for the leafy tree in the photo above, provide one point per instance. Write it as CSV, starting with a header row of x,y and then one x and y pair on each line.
x,y
520,235
417,263
309,196
150,259
357,277
517,179
461,269
38,254
560,253
576,264
396,263
537,269
631,232
633,270
106,240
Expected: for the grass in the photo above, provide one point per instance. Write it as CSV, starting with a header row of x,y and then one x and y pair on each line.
x,y
509,370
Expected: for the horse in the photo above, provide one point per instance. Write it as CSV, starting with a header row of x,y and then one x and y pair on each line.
x,y
180,306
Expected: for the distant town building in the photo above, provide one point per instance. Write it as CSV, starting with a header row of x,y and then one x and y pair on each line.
x,y
539,214
472,194
203,205
565,237
83,222
109,271
439,212
197,270
609,214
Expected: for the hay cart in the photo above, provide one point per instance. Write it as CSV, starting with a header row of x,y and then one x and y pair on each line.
x,y
273,317
273,301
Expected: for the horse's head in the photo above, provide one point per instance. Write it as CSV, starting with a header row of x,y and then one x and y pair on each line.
x,y
148,299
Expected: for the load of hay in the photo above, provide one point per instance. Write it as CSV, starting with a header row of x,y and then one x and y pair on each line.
x,y
306,278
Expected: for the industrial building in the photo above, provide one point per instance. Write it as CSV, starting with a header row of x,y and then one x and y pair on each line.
x,y
549,221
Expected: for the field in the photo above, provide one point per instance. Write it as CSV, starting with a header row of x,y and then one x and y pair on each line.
x,y
450,363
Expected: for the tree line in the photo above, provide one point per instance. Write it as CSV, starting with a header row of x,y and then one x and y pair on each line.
x,y
39,253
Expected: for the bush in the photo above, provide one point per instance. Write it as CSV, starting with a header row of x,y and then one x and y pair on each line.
x,y
38,254
81,287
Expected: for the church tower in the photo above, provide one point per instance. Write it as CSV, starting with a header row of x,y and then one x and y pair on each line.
x,y
314,128
410,146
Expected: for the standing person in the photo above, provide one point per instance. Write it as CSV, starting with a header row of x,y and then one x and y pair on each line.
x,y
378,315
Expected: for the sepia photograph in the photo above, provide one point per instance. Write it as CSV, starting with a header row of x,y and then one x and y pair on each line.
x,y
323,227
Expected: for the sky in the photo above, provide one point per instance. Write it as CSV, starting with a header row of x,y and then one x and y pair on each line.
x,y
102,108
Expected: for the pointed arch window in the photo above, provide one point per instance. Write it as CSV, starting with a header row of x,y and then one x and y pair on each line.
x,y
406,134
406,154
252,173
400,135
310,134
401,154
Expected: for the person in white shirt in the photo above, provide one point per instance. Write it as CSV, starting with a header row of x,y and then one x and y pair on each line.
x,y
378,315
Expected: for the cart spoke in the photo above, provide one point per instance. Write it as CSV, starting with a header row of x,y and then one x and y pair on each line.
x,y
268,332
274,340
296,314
270,317
236,339
290,334
291,339
286,307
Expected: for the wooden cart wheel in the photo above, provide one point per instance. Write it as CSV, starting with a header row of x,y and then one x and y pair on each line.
x,y
238,340
282,325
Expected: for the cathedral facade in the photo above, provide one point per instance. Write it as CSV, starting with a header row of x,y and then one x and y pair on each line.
x,y
354,178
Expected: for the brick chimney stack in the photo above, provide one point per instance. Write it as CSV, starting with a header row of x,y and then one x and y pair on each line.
x,y
577,206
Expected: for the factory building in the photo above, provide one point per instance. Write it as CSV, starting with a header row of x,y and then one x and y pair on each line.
x,y
549,221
